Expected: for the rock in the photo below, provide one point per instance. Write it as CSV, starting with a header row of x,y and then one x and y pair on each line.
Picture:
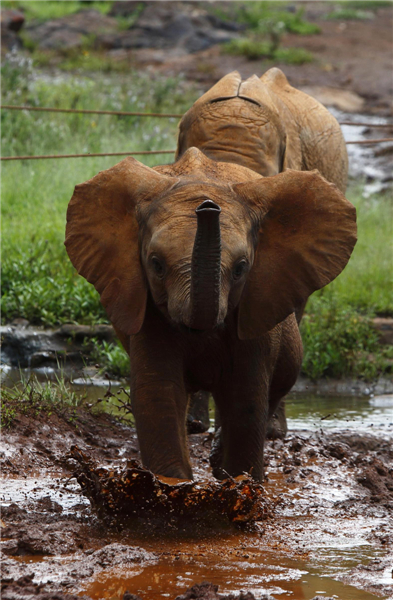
x,y
165,27
12,20
79,333
129,596
209,591
384,327
25,346
11,23
71,31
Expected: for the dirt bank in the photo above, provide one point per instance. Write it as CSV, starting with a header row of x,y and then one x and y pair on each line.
x,y
326,489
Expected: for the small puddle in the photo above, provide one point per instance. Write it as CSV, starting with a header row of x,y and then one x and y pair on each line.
x,y
261,574
371,415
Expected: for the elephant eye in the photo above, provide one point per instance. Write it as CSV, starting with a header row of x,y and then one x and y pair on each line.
x,y
157,266
239,269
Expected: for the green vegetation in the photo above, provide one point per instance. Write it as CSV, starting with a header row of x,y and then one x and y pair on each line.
x,y
267,23
32,398
253,50
356,9
263,16
112,358
338,342
365,4
38,280
350,14
53,9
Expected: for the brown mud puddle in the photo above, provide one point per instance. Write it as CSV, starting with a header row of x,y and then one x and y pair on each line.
x,y
330,533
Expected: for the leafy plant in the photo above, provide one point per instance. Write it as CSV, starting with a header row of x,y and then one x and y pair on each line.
x,y
112,358
339,342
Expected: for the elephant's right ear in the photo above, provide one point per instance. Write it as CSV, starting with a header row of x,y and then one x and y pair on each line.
x,y
102,237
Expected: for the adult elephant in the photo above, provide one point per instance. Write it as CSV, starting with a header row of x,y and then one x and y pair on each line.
x,y
201,266
268,126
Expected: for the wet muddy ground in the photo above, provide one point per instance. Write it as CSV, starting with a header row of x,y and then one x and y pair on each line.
x,y
326,528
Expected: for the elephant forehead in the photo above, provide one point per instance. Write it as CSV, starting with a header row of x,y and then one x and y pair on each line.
x,y
175,238
180,204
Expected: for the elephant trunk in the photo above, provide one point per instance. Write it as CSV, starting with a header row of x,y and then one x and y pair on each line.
x,y
206,267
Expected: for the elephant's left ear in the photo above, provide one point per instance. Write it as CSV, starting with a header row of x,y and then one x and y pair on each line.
x,y
102,237
307,231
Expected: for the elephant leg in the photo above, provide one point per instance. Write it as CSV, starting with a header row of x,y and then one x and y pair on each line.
x,y
215,457
159,403
198,420
277,426
284,377
238,443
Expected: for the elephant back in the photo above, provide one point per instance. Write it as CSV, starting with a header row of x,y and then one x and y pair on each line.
x,y
236,122
322,145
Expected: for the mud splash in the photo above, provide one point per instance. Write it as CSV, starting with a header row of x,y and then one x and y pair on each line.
x,y
135,494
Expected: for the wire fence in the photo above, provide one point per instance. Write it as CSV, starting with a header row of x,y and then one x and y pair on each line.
x,y
81,111
140,114
91,155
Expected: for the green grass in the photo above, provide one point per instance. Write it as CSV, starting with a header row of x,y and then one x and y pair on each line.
x,y
350,14
38,280
254,49
32,398
46,10
263,16
365,4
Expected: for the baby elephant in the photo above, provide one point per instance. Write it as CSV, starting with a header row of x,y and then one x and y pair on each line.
x,y
203,265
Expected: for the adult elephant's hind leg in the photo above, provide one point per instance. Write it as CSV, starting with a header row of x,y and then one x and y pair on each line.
x,y
198,412
285,373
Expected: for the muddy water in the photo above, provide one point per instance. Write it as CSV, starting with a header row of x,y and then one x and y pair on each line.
x,y
314,539
365,414
254,570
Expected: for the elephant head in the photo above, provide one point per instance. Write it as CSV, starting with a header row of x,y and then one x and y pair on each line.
x,y
207,240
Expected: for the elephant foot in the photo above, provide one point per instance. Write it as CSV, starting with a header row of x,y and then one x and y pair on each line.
x,y
198,420
277,427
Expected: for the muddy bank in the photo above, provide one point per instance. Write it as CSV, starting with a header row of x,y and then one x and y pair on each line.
x,y
331,529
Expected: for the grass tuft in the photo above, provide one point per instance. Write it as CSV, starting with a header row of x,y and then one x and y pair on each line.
x,y
32,398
